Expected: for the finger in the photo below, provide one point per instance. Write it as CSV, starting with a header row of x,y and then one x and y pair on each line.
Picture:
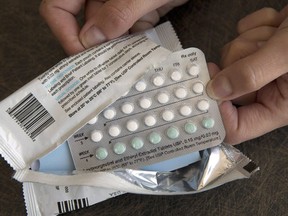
x,y
146,22
252,72
262,17
60,17
213,69
114,19
169,6
247,122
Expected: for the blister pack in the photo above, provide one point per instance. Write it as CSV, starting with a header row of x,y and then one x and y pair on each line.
x,y
166,114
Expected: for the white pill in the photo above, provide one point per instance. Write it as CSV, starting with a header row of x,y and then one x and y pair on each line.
x,y
168,115
145,103
163,97
96,136
150,120
127,108
132,125
198,88
158,80
140,86
203,105
180,92
93,120
176,75
114,130
109,113
185,110
193,69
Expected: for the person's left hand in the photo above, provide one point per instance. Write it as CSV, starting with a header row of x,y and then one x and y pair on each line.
x,y
254,76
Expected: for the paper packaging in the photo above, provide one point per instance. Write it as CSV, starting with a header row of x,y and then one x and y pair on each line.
x,y
45,112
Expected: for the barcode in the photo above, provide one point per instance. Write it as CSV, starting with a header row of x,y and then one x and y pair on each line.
x,y
71,205
32,117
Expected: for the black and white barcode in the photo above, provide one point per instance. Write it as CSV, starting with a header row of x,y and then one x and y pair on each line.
x,y
71,205
31,115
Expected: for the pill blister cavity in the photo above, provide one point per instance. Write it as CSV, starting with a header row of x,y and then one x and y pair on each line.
x,y
208,123
163,97
168,115
96,135
203,105
140,86
185,110
101,153
173,132
176,75
145,102
127,108
93,120
109,113
198,88
158,80
193,69
154,138
119,148
137,143
114,130
132,125
180,92
150,120
190,127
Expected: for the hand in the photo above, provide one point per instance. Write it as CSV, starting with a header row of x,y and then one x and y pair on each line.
x,y
105,19
254,76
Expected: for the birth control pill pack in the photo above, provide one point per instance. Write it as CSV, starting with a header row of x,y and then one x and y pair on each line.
x,y
165,115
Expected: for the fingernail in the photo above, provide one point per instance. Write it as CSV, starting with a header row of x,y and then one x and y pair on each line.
x,y
92,37
219,88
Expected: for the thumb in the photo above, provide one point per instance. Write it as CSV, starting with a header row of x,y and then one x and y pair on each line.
x,y
253,72
106,21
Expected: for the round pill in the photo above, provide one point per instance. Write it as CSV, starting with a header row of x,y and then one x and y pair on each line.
x,y
176,75
163,97
172,132
203,105
208,123
198,88
190,128
140,86
158,80
96,135
101,153
193,69
168,115
137,143
145,103
93,120
150,120
132,125
109,113
127,108
180,92
114,130
119,148
185,110
155,138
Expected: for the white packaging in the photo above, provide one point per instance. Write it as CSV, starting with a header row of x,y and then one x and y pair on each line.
x,y
45,112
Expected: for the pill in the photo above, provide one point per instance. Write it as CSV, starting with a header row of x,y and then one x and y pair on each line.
x,y
185,110
101,153
137,143
198,88
190,128
163,97
180,92
172,132
140,86
193,69
125,93
150,120
132,125
114,130
109,113
119,148
168,115
208,123
93,120
155,138
145,102
127,108
203,105
158,80
176,75
96,135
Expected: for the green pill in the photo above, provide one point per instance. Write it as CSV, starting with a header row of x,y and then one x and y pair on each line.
x,y
119,148
137,143
154,138
190,128
172,132
101,153
208,123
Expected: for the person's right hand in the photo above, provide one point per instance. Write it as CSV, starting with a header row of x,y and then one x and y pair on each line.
x,y
254,75
105,19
